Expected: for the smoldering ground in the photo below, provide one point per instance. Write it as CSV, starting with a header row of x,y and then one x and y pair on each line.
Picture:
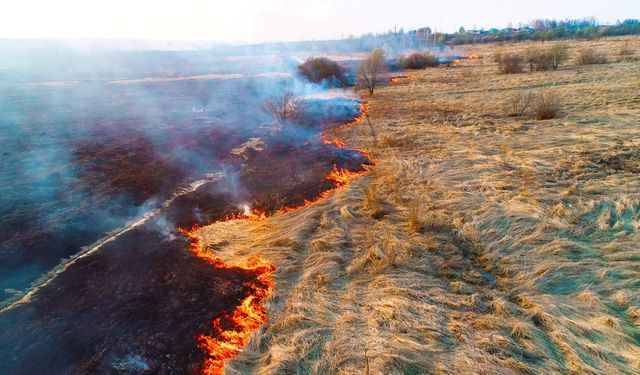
x,y
86,154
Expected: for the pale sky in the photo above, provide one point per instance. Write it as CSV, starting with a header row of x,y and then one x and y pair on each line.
x,y
272,20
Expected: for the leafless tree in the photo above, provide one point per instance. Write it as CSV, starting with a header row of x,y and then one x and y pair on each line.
x,y
284,107
371,69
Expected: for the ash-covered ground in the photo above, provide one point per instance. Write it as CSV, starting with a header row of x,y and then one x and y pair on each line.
x,y
107,164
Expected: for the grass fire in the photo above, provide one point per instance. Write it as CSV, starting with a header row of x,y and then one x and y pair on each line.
x,y
262,188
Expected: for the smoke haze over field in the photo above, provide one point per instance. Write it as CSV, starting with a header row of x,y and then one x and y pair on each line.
x,y
104,155
255,21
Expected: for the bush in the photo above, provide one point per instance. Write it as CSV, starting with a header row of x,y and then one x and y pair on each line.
x,y
518,103
537,59
547,106
589,56
417,61
546,59
285,107
509,63
318,69
432,61
413,61
558,53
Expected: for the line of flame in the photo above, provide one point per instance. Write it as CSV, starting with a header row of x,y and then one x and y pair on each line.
x,y
231,333
225,342
399,78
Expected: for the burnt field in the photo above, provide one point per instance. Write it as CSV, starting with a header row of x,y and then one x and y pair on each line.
x,y
138,303
109,170
82,160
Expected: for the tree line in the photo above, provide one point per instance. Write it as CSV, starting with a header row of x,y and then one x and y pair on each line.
x,y
394,42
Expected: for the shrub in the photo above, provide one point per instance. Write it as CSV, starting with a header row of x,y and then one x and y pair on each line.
x,y
518,103
547,106
590,56
431,60
413,61
285,107
417,61
558,53
509,63
545,59
318,69
537,59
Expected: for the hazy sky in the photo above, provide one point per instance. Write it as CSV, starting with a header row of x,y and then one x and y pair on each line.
x,y
261,20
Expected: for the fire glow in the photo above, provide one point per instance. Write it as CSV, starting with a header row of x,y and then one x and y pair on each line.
x,y
399,78
232,332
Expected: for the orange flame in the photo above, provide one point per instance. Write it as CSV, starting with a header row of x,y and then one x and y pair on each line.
x,y
253,215
335,142
364,112
232,332
399,78
225,343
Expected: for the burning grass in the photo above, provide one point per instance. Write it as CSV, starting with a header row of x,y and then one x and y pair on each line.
x,y
231,333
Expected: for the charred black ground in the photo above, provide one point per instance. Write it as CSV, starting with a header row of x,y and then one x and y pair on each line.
x,y
137,304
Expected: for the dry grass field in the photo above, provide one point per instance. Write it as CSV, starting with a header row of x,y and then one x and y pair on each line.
x,y
481,242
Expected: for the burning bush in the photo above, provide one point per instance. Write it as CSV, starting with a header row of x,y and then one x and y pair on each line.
x,y
285,108
509,63
371,69
417,61
319,69
590,56
547,106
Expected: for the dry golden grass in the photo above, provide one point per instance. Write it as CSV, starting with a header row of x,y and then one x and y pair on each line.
x,y
372,202
508,245
413,217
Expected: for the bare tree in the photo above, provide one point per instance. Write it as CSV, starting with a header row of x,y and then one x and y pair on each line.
x,y
371,69
284,107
